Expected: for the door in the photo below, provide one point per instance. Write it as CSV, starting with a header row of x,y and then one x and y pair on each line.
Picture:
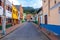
x,y
45,19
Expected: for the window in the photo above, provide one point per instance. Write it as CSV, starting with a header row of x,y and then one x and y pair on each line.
x,y
44,1
11,9
8,8
59,10
0,2
55,1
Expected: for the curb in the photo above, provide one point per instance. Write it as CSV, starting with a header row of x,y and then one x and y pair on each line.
x,y
42,31
10,32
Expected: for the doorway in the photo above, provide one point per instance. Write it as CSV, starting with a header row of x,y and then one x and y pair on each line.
x,y
45,19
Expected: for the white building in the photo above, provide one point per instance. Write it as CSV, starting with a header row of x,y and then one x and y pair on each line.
x,y
8,11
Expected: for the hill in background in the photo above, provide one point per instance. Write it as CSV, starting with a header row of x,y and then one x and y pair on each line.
x,y
28,10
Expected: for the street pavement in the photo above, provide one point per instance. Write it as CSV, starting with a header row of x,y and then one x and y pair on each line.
x,y
27,31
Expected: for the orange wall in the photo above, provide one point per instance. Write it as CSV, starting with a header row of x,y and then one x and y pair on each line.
x,y
21,12
28,17
54,15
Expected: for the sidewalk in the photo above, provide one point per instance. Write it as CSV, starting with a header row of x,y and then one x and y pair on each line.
x,y
51,36
9,30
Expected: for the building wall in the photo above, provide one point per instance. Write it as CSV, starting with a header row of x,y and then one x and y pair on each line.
x,y
53,18
14,12
8,13
45,9
28,17
58,1
54,15
21,12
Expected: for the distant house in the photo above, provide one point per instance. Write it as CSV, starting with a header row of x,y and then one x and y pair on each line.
x,y
40,16
21,12
28,17
20,9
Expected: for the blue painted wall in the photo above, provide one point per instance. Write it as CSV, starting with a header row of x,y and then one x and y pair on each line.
x,y
53,28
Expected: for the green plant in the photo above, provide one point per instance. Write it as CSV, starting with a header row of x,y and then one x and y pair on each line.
x,y
7,26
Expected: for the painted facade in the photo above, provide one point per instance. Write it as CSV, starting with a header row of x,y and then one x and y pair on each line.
x,y
14,15
50,18
8,10
24,16
52,13
14,12
40,20
28,17
21,12
1,10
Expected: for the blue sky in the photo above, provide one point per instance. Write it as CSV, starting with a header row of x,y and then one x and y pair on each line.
x,y
30,3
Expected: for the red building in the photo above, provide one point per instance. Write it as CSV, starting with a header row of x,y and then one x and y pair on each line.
x,y
21,12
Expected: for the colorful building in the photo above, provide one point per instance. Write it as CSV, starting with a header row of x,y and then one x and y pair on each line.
x,y
40,13
24,16
18,16
51,16
21,13
8,11
1,10
14,15
28,17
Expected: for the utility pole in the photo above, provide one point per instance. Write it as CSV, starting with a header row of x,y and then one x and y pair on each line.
x,y
4,19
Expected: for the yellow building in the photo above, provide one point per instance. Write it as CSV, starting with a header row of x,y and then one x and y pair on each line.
x,y
14,15
21,12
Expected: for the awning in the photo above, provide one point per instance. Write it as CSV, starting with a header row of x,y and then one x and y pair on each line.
x,y
55,6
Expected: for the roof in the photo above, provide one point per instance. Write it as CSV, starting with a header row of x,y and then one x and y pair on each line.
x,y
18,7
8,3
55,6
39,10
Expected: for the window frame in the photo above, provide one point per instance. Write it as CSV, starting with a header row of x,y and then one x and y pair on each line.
x,y
0,3
55,1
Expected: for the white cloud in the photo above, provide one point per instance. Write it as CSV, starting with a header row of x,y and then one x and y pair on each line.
x,y
38,4
15,2
25,3
31,3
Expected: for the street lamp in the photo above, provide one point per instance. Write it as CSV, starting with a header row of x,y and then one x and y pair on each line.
x,y
4,19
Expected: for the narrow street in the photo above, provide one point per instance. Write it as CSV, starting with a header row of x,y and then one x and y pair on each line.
x,y
26,32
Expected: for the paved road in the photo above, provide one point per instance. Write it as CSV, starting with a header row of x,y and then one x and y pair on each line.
x,y
26,32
